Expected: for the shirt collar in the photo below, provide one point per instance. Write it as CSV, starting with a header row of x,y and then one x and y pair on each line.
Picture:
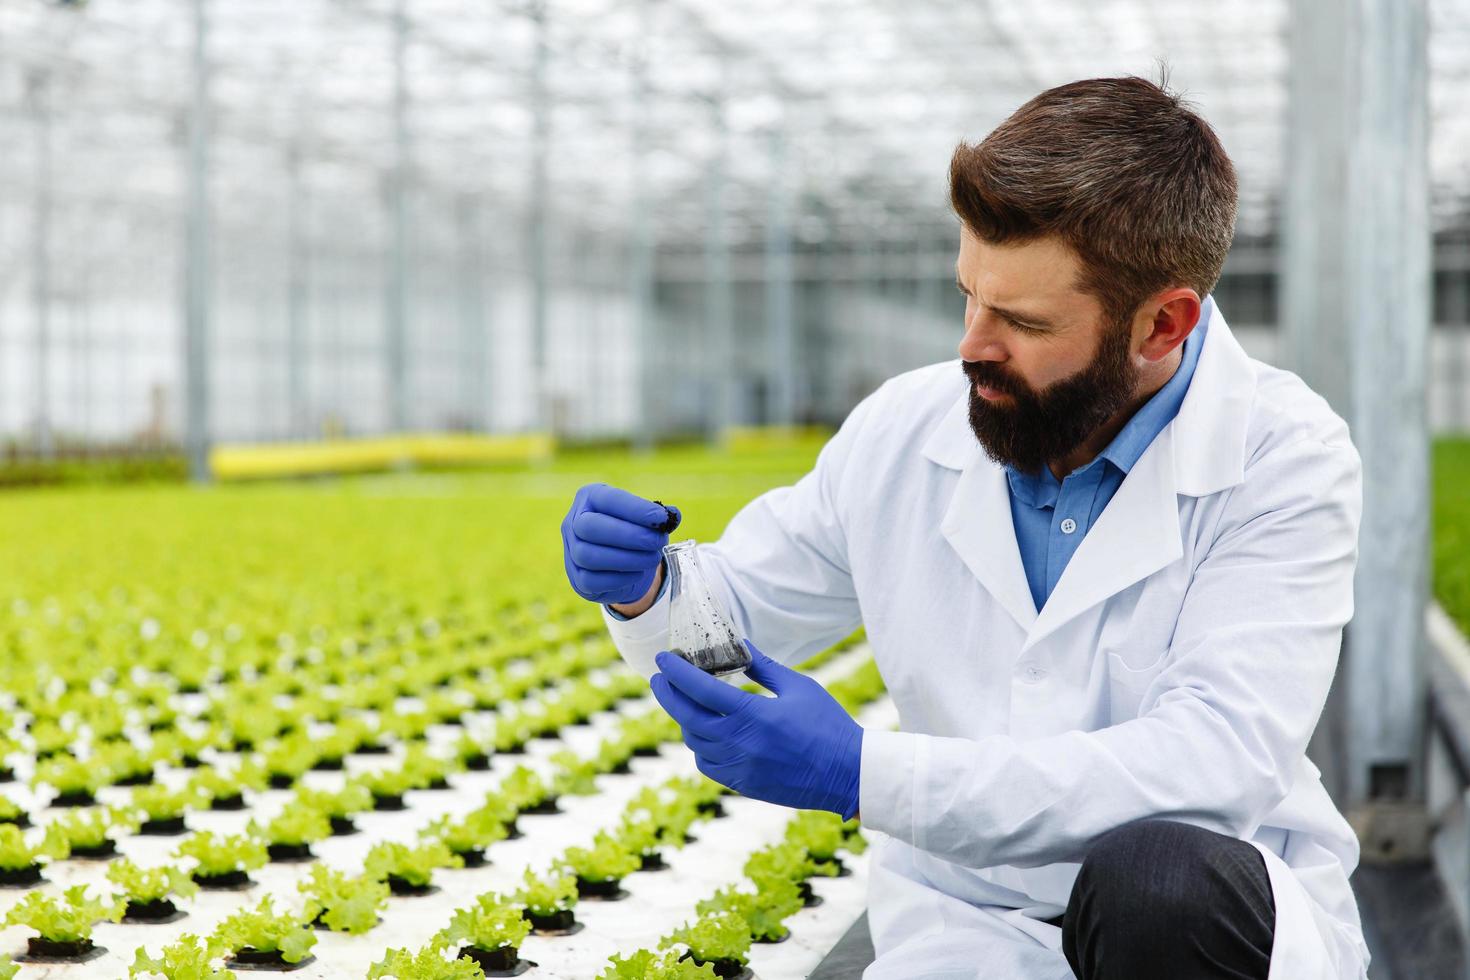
x,y
1041,489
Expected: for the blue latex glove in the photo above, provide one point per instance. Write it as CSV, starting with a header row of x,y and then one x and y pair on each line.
x,y
799,749
612,543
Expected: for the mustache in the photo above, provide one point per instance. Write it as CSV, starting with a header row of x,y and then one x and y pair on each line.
x,y
987,376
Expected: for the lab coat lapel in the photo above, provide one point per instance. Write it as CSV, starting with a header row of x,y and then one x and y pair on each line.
x,y
1136,534
979,526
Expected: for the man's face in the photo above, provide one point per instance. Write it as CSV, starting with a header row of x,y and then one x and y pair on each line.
x,y
1054,371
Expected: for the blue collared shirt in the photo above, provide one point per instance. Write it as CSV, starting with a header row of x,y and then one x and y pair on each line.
x,y
1052,517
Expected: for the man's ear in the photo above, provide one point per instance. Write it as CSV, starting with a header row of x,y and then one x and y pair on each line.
x,y
1171,316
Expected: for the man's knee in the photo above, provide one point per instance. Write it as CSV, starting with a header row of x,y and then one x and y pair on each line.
x,y
1158,891
1154,869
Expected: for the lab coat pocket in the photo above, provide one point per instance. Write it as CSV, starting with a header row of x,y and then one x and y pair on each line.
x,y
1127,682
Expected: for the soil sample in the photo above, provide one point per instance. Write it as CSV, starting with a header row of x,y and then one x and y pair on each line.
x,y
700,630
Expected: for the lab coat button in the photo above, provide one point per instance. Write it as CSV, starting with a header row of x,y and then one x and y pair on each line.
x,y
1033,674
1068,526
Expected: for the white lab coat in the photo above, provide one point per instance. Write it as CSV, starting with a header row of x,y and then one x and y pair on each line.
x,y
1177,670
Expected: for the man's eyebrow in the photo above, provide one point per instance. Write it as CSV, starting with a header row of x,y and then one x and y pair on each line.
x,y
1012,315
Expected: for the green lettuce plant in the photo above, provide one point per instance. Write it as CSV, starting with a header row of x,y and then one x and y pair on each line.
x,y
296,824
17,852
157,802
70,776
215,855
574,775
785,861
12,812
524,787
342,903
428,963
87,829
341,803
490,923
820,833
764,910
545,895
645,964
188,958
721,936
472,832
142,885
262,928
606,860
68,919
414,866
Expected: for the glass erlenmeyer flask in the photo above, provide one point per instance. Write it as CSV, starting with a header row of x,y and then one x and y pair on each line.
x,y
700,629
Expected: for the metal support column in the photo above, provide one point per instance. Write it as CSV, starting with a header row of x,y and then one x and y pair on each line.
x,y
1356,311
718,296
38,87
469,229
395,353
536,244
298,293
640,257
780,327
196,262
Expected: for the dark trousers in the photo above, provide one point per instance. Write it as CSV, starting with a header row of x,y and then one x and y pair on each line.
x,y
1161,899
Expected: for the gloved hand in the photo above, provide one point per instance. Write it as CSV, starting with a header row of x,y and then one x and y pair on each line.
x,y
612,543
799,749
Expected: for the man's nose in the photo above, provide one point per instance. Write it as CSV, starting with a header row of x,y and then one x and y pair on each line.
x,y
981,342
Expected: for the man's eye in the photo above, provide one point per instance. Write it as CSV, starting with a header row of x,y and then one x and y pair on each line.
x,y
1024,328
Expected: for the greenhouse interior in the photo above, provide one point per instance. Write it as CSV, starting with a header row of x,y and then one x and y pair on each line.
x,y
321,321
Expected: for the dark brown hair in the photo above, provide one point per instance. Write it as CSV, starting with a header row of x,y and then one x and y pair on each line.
x,y
1121,171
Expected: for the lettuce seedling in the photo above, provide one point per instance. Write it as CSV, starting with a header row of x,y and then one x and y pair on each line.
x,y
722,936
70,777
158,802
387,783
472,832
574,775
291,756
764,910
645,964
80,831
68,919
18,853
785,861
216,855
852,839
524,787
489,924
296,824
546,895
143,885
342,904
8,967
263,929
498,807
606,860
12,812
414,866
351,798
428,963
188,958
820,832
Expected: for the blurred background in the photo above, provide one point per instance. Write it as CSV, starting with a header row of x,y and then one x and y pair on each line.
x,y
263,238
595,218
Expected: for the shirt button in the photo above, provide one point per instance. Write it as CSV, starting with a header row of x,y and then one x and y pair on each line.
x,y
1033,674
1068,526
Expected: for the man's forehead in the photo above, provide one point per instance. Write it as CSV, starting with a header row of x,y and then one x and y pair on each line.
x,y
1041,271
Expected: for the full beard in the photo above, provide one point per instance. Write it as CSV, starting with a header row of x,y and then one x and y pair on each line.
x,y
1027,430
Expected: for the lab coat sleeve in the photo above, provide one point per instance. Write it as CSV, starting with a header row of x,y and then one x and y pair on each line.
x,y
780,568
1222,727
